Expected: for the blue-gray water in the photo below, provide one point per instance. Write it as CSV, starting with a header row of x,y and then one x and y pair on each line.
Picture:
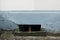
x,y
48,20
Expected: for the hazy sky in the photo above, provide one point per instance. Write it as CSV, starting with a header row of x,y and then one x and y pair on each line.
x,y
16,4
29,4
47,4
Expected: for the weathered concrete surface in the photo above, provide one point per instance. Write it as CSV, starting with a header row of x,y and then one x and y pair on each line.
x,y
34,38
38,38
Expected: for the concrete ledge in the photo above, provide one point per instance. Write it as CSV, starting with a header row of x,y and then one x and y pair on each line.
x,y
30,34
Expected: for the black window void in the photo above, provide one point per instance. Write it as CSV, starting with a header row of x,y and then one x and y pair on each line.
x,y
32,27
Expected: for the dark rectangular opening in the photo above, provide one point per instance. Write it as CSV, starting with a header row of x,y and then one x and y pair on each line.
x,y
30,27
35,28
